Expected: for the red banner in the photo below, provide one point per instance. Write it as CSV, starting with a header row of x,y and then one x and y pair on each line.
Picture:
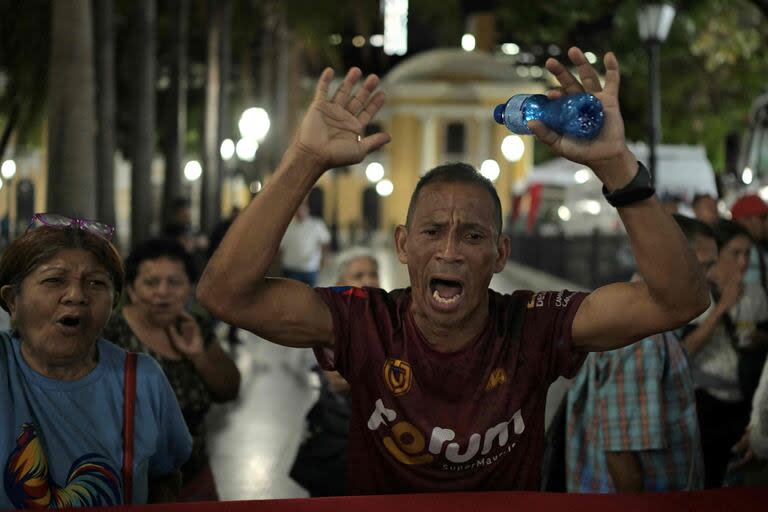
x,y
703,501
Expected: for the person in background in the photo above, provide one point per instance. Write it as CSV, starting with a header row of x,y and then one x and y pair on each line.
x,y
304,246
705,209
631,412
62,385
154,321
357,267
751,212
758,432
179,227
320,464
715,343
670,203
750,466
220,229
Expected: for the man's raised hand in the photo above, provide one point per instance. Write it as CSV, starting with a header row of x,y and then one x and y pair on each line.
x,y
609,147
332,132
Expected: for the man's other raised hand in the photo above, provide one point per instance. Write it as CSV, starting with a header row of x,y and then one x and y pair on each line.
x,y
332,133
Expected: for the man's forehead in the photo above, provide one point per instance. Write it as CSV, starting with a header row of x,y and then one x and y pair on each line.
x,y
444,199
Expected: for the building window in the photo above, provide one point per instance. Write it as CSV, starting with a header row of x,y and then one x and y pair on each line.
x,y
454,138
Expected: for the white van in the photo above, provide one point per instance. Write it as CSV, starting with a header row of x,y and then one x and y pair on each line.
x,y
560,196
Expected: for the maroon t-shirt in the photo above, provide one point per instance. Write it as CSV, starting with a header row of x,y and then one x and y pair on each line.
x,y
425,421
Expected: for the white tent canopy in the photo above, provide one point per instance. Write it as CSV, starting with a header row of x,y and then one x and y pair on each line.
x,y
682,171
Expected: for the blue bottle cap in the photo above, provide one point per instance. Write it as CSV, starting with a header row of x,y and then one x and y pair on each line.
x,y
498,113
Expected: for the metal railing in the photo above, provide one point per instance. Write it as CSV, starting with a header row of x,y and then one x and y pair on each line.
x,y
591,260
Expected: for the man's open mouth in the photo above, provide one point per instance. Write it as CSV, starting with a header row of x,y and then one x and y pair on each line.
x,y
446,291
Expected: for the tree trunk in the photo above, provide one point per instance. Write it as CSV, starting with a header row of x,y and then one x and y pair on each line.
x,y
104,32
267,74
218,30
283,89
225,118
143,126
175,148
71,111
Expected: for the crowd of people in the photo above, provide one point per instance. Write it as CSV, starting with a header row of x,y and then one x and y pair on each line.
x,y
110,366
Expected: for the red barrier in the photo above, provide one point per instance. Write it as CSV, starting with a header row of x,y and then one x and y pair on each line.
x,y
725,500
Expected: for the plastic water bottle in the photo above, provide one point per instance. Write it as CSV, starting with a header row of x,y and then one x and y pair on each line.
x,y
577,115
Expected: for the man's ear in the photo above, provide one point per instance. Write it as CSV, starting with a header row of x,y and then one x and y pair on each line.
x,y
504,245
8,294
401,237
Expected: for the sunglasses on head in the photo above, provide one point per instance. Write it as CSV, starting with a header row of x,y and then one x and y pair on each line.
x,y
54,220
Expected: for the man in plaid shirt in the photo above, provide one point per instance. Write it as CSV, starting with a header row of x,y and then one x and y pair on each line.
x,y
632,422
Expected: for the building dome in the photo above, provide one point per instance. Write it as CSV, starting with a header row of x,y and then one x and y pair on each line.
x,y
452,65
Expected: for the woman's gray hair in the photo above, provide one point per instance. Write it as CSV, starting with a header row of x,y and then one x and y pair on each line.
x,y
347,256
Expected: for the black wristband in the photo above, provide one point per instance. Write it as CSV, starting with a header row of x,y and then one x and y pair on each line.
x,y
638,189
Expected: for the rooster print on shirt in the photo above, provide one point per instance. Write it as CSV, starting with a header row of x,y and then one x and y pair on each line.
x,y
28,484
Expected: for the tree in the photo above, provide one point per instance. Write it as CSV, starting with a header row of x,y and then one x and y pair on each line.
x,y
71,112
218,30
142,139
176,113
104,36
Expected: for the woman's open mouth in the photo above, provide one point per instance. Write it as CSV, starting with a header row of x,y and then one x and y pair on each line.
x,y
70,323
446,292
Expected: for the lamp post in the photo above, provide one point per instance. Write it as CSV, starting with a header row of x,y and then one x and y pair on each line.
x,y
192,172
8,171
653,23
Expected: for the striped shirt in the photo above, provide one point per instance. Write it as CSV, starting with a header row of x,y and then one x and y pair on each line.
x,y
639,398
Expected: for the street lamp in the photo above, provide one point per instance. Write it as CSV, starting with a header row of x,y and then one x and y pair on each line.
x,y
8,171
653,22
254,124
512,147
192,172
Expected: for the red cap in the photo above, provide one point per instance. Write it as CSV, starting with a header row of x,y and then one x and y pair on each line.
x,y
748,206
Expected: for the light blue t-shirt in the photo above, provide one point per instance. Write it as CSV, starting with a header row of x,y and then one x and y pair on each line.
x,y
61,441
753,270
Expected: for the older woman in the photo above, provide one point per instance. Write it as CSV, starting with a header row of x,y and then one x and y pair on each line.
x,y
155,321
66,395
320,464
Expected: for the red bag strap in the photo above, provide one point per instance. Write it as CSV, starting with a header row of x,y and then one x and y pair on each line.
x,y
129,403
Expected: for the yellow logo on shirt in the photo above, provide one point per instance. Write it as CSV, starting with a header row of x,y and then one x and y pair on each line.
x,y
497,378
398,376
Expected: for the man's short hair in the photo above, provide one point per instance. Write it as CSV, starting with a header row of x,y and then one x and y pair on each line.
x,y
727,230
456,172
692,228
699,197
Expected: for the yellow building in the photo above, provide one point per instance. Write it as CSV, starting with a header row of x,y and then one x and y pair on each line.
x,y
439,109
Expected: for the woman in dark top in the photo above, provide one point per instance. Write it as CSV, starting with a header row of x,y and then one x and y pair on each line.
x,y
155,321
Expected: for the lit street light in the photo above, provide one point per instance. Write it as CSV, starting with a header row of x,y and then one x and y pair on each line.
x,y
227,149
468,42
254,124
246,149
653,23
384,188
490,169
8,169
374,172
512,147
193,170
